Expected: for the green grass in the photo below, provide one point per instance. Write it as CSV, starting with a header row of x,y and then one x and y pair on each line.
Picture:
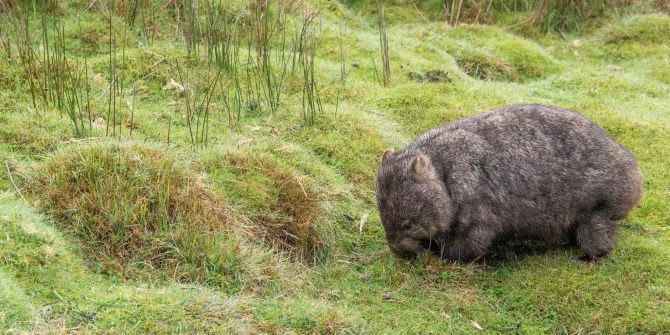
x,y
259,230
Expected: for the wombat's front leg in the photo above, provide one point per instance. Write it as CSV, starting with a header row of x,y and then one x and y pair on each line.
x,y
469,246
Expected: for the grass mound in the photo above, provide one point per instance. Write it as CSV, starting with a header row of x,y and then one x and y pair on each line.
x,y
135,207
283,207
643,29
484,66
489,53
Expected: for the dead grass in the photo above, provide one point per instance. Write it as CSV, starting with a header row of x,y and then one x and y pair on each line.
x,y
136,207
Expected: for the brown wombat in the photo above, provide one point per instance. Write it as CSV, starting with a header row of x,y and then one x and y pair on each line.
x,y
523,172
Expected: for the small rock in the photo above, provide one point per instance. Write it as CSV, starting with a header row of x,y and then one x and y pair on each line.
x,y
46,310
476,325
577,43
387,297
91,315
244,141
253,106
99,122
173,85
438,76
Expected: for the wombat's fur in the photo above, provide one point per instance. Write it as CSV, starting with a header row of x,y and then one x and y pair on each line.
x,y
523,172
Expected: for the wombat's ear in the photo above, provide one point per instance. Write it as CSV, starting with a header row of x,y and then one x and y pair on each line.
x,y
421,165
388,154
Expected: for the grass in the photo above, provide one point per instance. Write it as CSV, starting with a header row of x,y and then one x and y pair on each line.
x,y
254,226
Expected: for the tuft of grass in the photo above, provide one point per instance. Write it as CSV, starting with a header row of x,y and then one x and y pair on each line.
x,y
488,53
643,29
569,15
134,207
282,205
481,65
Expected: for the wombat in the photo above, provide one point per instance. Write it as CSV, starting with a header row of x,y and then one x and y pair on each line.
x,y
522,172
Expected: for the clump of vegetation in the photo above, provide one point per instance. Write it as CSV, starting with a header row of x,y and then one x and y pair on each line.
x,y
651,28
432,76
568,15
492,54
134,207
484,66
283,207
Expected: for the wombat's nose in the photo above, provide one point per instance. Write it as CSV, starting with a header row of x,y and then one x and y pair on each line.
x,y
401,252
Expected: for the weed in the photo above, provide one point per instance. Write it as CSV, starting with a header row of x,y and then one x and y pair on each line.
x,y
308,45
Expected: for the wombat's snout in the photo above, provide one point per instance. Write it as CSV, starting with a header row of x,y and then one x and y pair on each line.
x,y
406,248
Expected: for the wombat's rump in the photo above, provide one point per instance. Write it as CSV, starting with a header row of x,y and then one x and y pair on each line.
x,y
518,173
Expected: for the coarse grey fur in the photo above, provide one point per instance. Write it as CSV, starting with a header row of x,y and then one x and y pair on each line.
x,y
523,172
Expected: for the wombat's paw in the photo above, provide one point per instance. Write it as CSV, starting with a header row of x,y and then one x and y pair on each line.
x,y
586,259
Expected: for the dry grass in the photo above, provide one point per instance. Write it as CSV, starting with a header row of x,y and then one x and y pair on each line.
x,y
133,206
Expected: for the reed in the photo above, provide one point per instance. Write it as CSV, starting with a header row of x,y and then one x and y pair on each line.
x,y
309,42
383,42
197,104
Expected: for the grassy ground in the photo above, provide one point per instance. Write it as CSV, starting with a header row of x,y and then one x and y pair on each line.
x,y
107,240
